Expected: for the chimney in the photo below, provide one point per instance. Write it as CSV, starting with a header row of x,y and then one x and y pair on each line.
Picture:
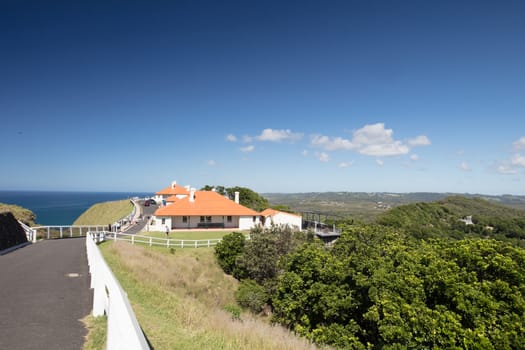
x,y
192,195
187,187
237,197
173,184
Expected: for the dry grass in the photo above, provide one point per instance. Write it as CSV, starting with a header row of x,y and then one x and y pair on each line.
x,y
179,300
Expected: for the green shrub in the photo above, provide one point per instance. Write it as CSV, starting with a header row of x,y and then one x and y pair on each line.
x,y
251,295
228,249
234,311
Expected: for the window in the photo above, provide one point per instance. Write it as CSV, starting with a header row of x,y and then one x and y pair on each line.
x,y
229,218
208,218
254,219
202,218
184,219
163,221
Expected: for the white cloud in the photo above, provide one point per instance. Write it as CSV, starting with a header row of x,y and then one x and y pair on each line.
x,y
384,150
370,140
506,169
231,138
519,144
420,140
345,164
414,157
211,162
464,166
373,134
247,149
332,144
279,135
518,160
323,157
247,139
380,162
304,153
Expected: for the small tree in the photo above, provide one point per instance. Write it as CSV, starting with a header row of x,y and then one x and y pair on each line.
x,y
228,249
261,256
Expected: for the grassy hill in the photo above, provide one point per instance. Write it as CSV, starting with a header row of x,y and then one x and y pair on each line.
x,y
442,218
22,214
105,213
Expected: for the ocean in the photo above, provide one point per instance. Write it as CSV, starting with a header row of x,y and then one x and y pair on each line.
x,y
61,208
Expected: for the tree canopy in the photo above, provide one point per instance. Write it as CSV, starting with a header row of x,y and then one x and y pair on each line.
x,y
381,288
442,219
247,197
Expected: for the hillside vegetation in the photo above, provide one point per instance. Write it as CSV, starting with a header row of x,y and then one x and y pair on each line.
x,y
381,287
22,214
366,207
183,300
442,219
105,213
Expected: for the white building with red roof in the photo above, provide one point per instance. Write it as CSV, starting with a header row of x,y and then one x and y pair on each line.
x,y
172,190
203,209
271,217
186,208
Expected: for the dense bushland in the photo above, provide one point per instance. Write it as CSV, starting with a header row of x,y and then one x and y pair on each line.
x,y
420,280
380,287
442,219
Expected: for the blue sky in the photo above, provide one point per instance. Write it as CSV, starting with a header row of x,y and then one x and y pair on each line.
x,y
277,96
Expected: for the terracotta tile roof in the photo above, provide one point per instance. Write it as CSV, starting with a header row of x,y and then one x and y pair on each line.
x,y
172,199
207,203
172,190
272,212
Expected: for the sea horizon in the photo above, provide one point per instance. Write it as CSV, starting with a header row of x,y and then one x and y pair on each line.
x,y
63,207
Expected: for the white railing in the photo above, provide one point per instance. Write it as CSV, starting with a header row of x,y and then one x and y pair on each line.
x,y
66,230
123,330
30,233
164,242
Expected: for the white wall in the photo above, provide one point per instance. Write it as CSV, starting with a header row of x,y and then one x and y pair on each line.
x,y
246,222
282,218
175,222
157,224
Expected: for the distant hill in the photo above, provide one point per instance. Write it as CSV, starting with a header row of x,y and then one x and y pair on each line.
x,y
458,217
22,214
367,206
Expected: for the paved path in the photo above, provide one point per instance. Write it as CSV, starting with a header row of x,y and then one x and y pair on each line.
x,y
145,212
44,292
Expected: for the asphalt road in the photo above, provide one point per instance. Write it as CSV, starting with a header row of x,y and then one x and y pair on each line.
x,y
145,211
44,292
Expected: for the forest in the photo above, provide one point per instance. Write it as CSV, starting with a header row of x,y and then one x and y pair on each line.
x,y
416,278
